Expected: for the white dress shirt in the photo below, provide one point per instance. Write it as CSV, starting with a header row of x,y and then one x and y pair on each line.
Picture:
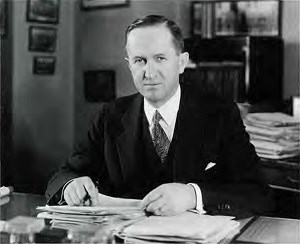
x,y
168,112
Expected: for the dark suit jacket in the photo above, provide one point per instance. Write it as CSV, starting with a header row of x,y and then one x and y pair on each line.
x,y
209,129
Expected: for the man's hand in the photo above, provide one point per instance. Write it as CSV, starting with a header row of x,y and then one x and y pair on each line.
x,y
170,199
81,191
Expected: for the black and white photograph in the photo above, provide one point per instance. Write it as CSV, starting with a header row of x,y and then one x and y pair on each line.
x,y
3,17
42,39
99,85
150,121
94,4
43,11
258,18
44,65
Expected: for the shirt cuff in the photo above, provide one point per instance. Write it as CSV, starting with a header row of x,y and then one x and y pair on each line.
x,y
199,203
62,200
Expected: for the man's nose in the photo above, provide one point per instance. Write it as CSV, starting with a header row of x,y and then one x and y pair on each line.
x,y
150,70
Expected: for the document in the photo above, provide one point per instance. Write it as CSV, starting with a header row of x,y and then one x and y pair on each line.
x,y
272,230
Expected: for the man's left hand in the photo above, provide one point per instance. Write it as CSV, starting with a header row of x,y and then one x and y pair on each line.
x,y
170,199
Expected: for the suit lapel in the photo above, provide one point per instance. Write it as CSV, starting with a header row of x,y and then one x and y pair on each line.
x,y
128,144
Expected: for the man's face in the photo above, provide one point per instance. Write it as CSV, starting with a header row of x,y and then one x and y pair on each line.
x,y
154,63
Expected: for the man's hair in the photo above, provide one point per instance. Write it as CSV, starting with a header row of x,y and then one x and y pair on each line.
x,y
152,20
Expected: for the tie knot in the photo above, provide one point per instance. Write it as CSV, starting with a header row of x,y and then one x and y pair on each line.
x,y
157,117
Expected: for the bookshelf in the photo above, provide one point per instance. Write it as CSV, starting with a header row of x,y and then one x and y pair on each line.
x,y
222,78
250,66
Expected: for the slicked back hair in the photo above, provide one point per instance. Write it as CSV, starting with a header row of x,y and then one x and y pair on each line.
x,y
153,20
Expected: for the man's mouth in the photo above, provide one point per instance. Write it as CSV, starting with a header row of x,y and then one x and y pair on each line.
x,y
152,84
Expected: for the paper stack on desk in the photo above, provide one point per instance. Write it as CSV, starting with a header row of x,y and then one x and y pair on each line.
x,y
110,210
274,135
187,227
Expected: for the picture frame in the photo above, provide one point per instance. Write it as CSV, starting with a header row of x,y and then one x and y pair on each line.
x,y
254,18
99,85
42,39
43,11
95,4
3,17
44,65
236,18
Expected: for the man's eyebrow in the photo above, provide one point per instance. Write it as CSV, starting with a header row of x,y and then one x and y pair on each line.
x,y
138,56
160,54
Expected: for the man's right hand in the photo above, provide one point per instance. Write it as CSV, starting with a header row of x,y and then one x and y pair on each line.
x,y
81,191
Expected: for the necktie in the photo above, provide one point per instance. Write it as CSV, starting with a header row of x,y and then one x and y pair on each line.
x,y
160,139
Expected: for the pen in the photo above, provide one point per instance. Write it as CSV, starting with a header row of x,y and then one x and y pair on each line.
x,y
87,199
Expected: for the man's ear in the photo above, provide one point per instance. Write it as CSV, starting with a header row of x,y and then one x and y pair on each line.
x,y
127,62
183,61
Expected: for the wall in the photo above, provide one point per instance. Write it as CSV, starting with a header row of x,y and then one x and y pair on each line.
x,y
6,97
291,35
102,47
42,105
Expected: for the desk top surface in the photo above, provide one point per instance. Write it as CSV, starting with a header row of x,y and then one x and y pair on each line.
x,y
20,204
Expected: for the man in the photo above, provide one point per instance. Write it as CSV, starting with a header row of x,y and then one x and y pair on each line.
x,y
159,144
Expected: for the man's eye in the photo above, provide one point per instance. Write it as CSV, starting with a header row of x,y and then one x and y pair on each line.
x,y
139,61
160,59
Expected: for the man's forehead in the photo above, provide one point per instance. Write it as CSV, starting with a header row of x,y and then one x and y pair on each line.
x,y
156,37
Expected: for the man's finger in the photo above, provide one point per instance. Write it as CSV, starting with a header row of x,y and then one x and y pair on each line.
x,y
68,199
150,197
71,194
156,206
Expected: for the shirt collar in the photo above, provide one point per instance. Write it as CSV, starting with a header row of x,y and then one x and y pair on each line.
x,y
168,111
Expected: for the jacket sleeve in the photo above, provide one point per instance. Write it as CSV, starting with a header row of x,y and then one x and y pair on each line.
x,y
87,159
236,184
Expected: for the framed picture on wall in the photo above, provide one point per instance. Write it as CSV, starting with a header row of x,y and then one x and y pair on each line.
x,y
255,18
42,39
93,4
99,85
44,11
3,17
44,65
236,18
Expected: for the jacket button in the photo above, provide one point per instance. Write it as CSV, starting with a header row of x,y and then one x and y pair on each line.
x,y
227,206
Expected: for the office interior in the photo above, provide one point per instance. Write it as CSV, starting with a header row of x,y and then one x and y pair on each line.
x,y
44,115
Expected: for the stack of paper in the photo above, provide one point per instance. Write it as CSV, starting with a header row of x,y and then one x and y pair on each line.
x,y
187,227
274,135
110,209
